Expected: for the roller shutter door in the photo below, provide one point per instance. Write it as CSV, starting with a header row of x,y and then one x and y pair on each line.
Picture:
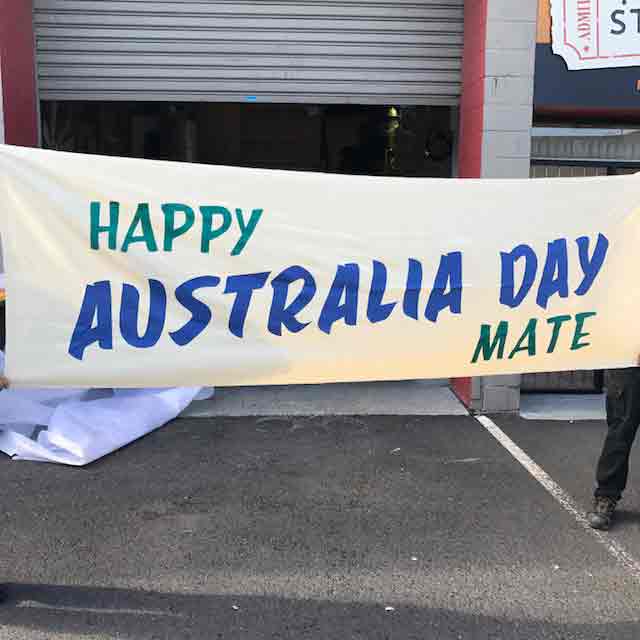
x,y
314,51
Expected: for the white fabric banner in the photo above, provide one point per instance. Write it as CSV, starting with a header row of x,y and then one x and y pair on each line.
x,y
136,273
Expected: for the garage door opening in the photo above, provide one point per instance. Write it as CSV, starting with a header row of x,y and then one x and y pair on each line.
x,y
369,140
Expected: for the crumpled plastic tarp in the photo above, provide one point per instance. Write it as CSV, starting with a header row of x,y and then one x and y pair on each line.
x,y
78,426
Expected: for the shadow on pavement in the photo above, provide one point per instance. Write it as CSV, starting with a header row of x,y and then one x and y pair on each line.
x,y
140,615
626,516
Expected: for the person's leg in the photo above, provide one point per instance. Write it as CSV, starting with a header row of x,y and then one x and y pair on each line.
x,y
3,326
623,418
4,383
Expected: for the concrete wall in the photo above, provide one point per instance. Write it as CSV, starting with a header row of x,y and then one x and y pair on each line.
x,y
508,91
495,130
506,140
497,94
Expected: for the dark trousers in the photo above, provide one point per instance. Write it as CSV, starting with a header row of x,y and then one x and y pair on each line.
x,y
623,418
2,326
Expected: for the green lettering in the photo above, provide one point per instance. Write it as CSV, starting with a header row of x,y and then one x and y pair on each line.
x,y
557,322
246,230
578,333
111,228
171,232
143,219
208,231
529,335
486,346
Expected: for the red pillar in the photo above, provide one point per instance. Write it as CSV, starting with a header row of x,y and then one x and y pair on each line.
x,y
471,117
17,73
473,84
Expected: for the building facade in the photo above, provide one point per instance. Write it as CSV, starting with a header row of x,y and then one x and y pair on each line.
x,y
389,87
586,115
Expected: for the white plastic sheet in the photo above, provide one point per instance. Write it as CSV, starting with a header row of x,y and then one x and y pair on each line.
x,y
78,426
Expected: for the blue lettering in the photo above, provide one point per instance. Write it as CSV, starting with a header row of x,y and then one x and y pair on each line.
x,y
508,297
591,267
200,313
345,284
95,304
449,274
283,314
376,310
129,310
555,276
414,287
243,286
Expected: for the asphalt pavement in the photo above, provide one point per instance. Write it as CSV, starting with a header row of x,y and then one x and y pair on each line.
x,y
376,528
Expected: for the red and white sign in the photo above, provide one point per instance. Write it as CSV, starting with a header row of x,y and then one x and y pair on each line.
x,y
596,34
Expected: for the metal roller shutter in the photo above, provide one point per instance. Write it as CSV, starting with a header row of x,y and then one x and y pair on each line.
x,y
315,51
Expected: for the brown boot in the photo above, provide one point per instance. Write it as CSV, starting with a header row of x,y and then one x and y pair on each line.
x,y
602,512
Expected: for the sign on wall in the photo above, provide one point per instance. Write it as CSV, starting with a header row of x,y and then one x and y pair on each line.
x,y
138,273
596,34
594,92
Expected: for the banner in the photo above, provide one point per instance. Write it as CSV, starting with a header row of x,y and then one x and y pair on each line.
x,y
136,273
596,34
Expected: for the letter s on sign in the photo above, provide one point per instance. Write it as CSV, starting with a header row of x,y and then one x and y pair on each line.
x,y
622,27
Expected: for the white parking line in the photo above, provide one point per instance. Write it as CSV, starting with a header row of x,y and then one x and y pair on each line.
x,y
32,604
614,548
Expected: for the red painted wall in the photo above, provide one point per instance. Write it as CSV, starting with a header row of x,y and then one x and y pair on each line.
x,y
20,107
473,81
471,117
